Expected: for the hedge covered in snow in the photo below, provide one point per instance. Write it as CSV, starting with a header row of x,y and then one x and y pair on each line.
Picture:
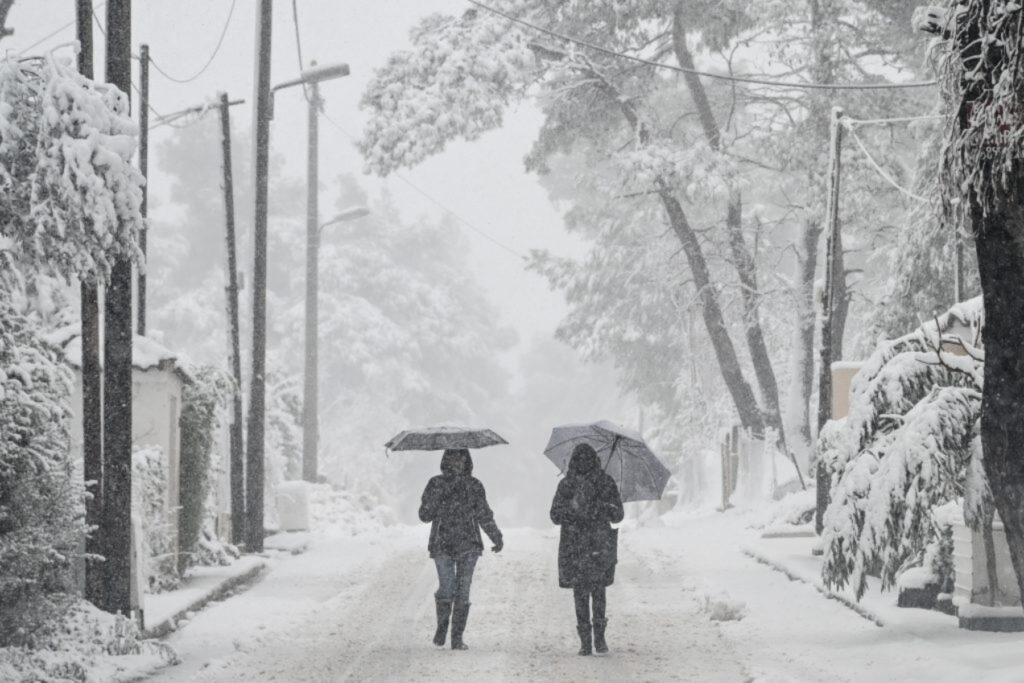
x,y
41,501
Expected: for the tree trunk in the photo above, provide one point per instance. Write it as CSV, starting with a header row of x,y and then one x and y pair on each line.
x,y
1000,264
728,362
725,352
5,7
746,268
990,559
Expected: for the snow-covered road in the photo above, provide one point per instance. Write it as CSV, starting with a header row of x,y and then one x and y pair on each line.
x,y
362,609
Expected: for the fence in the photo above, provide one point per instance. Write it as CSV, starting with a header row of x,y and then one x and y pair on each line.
x,y
749,468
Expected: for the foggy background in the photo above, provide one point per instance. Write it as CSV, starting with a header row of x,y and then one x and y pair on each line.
x,y
375,379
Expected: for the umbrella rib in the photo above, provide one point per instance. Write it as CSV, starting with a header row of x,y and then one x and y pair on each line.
x,y
611,454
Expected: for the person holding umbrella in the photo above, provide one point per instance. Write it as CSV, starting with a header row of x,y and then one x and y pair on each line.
x,y
455,505
586,502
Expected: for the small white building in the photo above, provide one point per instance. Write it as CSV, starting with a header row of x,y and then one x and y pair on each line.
x,y
157,384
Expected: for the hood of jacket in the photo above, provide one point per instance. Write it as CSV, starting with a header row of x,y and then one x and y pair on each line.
x,y
456,461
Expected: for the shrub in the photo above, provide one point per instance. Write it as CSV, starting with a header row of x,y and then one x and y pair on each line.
x,y
149,505
201,401
41,503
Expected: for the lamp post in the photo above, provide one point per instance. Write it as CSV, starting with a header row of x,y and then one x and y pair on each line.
x,y
311,370
312,77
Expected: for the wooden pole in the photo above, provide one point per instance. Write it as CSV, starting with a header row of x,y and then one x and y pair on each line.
x,y
117,361
958,264
257,382
828,304
237,475
310,398
92,376
144,169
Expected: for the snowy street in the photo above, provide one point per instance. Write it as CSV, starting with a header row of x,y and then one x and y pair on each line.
x,y
311,620
360,608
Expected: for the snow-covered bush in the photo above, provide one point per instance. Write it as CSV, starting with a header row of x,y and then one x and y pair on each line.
x,y
41,501
201,402
149,506
905,448
85,645
283,438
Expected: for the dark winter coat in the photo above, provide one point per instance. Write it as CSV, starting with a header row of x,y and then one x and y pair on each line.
x,y
455,504
585,502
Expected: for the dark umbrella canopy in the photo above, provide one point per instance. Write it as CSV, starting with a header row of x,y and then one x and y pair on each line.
x,y
443,437
622,452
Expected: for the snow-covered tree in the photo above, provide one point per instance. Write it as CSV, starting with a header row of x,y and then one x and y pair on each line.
x,y
70,194
983,189
69,207
708,159
905,448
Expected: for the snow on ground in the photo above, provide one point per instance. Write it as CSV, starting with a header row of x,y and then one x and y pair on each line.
x,y
687,605
89,645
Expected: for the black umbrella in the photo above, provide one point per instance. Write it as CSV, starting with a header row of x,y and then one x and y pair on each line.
x,y
443,437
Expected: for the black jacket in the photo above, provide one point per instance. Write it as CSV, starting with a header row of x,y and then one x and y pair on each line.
x,y
456,507
587,547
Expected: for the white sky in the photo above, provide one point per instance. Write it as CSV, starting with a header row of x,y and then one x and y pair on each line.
x,y
484,182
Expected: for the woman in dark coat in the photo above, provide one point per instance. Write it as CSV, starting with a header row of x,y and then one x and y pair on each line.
x,y
455,504
586,501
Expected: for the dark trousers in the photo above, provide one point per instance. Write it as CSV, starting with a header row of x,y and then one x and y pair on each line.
x,y
584,597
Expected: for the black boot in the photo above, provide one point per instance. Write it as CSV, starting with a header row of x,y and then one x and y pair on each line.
x,y
583,628
444,611
460,613
600,647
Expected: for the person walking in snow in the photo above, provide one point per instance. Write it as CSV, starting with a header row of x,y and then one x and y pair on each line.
x,y
586,502
455,504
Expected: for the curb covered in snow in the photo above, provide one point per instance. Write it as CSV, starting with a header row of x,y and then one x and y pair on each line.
x,y
215,590
796,575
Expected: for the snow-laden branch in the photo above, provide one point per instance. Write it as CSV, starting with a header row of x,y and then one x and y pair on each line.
x,y
71,197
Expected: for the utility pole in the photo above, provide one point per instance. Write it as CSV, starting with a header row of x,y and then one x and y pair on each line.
x,y
257,384
92,376
832,247
958,265
237,446
144,169
310,399
117,357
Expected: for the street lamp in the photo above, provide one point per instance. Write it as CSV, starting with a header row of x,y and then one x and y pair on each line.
x,y
346,215
261,128
311,371
312,77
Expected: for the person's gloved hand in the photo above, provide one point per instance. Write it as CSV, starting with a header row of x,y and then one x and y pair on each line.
x,y
498,546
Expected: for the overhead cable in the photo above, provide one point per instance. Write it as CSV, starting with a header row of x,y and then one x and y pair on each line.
x,y
706,74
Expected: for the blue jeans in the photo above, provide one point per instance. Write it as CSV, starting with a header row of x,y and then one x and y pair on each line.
x,y
454,576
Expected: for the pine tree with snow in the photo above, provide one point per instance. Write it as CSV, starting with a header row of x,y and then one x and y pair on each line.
x,y
904,449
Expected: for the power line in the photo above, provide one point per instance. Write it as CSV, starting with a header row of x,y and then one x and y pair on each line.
x,y
878,167
298,45
298,38
436,201
161,119
58,30
707,74
213,55
848,122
